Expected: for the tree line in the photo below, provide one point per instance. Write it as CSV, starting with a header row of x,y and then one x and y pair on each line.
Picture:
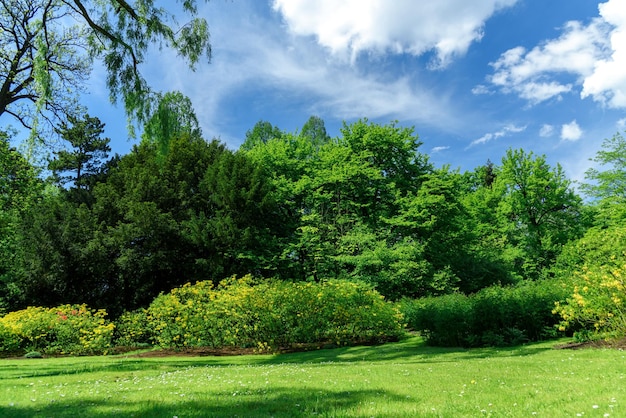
x,y
367,205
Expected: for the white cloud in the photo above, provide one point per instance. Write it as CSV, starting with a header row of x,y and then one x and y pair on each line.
x,y
439,149
593,55
546,131
571,131
284,68
400,26
481,89
607,83
507,130
621,124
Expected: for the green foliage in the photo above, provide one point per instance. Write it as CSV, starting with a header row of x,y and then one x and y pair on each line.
x,y
607,187
20,189
133,329
152,222
65,329
88,151
49,48
272,314
610,183
541,210
593,269
494,316
174,116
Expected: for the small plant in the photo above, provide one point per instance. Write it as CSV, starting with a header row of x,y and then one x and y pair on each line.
x,y
33,354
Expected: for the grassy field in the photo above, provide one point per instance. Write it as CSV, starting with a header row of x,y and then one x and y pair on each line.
x,y
403,379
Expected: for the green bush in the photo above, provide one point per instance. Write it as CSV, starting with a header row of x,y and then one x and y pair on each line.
x,y
495,316
270,314
133,329
66,329
593,269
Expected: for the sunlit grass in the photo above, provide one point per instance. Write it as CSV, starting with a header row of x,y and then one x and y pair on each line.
x,y
394,380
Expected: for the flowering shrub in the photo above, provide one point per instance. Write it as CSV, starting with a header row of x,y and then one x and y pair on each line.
x,y
270,314
133,329
66,329
593,269
598,302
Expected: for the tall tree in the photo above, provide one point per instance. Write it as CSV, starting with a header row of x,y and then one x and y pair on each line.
x,y
88,151
20,188
174,116
607,183
261,133
47,48
539,210
315,130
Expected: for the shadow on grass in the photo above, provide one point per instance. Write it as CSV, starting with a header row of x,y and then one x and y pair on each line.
x,y
410,351
276,402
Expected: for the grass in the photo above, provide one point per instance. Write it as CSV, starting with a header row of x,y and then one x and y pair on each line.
x,y
403,379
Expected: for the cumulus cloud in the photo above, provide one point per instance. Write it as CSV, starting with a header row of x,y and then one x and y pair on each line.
x,y
571,131
621,124
401,26
297,69
607,83
546,131
507,130
593,55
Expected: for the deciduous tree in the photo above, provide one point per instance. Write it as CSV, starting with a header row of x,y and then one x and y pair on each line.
x,y
47,48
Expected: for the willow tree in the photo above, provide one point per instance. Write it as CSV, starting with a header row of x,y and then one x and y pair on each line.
x,y
47,48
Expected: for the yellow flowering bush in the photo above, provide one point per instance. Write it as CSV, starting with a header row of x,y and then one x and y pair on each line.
x,y
593,269
268,314
598,301
65,329
132,329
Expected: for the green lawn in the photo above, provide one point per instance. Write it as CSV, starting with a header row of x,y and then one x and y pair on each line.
x,y
403,379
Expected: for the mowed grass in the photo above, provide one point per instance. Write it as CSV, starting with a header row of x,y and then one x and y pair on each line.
x,y
403,379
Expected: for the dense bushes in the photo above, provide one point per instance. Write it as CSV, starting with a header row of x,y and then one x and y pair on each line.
x,y
238,313
593,269
269,314
66,329
493,316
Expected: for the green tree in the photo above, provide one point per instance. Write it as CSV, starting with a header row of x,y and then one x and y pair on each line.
x,y
20,188
539,212
59,261
47,48
87,155
608,187
261,133
315,130
174,116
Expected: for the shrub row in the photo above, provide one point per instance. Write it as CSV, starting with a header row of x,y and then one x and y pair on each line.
x,y
66,329
237,313
495,316
264,315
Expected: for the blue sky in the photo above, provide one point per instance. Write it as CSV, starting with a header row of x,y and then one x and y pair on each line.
x,y
473,77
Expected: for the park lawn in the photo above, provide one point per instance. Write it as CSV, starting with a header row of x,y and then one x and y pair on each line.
x,y
405,379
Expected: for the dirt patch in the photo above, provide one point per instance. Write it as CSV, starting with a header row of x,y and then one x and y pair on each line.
x,y
234,351
617,344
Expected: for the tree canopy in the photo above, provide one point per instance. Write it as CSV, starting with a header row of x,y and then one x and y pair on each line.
x,y
47,48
